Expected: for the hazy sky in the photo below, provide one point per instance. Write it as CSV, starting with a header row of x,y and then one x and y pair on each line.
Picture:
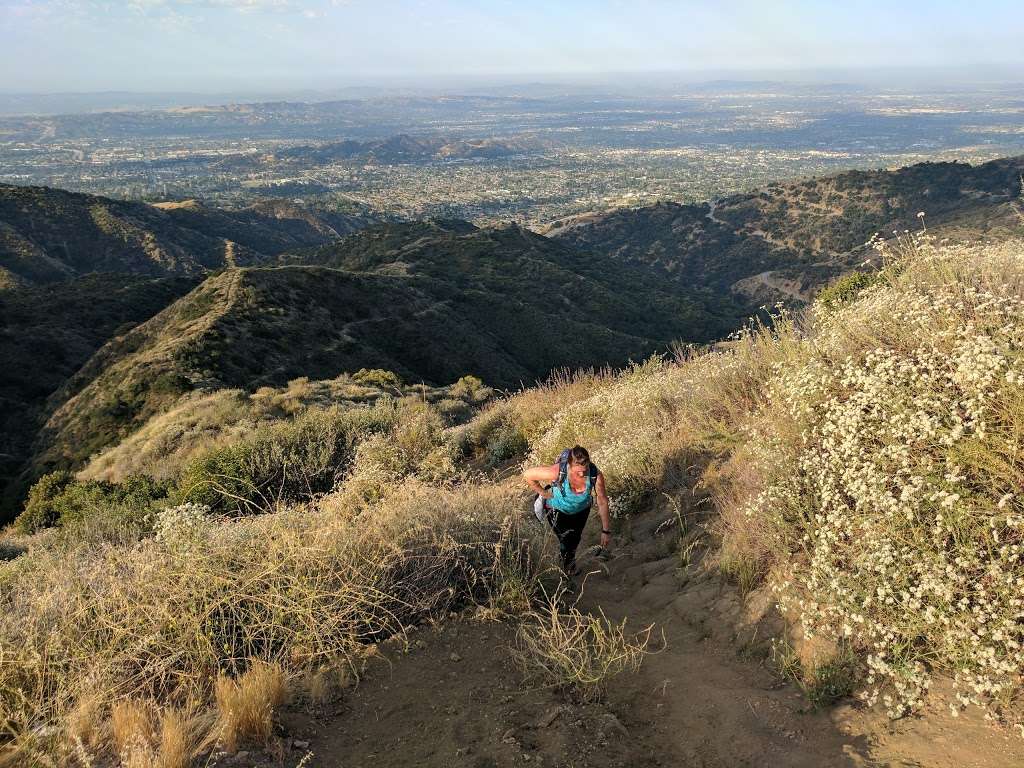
x,y
93,45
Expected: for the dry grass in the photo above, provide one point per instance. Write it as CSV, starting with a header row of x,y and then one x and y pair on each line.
x,y
199,422
179,739
246,704
134,725
577,651
144,737
321,684
85,722
777,421
298,588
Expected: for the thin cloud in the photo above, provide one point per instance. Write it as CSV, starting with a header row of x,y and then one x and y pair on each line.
x,y
166,7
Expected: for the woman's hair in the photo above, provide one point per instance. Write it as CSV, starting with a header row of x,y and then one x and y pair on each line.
x,y
579,455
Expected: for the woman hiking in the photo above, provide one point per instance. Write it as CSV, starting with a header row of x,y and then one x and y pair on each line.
x,y
566,490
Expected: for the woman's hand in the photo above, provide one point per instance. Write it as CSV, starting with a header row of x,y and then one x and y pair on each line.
x,y
606,539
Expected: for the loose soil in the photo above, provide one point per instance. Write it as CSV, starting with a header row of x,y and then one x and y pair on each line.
x,y
451,695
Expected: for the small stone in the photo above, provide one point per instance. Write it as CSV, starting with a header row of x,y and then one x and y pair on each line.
x,y
549,717
240,756
455,657
613,724
299,744
509,736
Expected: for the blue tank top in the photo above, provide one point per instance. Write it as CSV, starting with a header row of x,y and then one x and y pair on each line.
x,y
565,500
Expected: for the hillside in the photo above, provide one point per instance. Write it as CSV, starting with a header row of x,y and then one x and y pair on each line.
x,y
48,332
430,301
815,561
794,237
532,271
437,299
49,235
77,269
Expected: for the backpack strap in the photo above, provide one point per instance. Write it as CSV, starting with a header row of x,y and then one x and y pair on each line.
x,y
563,467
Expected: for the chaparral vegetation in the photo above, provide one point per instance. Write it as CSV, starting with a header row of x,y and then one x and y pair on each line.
x,y
863,458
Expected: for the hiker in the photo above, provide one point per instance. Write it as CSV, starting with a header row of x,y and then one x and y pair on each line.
x,y
565,492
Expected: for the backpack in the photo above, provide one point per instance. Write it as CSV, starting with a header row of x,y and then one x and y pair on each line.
x,y
540,510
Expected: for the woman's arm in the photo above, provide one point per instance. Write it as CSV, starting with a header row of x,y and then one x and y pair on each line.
x,y
538,477
602,509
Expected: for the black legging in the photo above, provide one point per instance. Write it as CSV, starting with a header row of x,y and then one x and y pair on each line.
x,y
568,529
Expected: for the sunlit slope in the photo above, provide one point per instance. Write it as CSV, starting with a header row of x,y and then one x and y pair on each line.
x,y
800,234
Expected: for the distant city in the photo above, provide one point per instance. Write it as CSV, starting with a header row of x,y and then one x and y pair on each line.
x,y
529,159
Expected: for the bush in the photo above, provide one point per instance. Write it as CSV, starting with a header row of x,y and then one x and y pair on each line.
x,y
890,470
506,442
844,290
472,389
41,510
378,377
58,499
281,463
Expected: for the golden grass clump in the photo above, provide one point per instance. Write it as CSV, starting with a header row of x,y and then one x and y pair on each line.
x,y
134,726
145,737
246,704
85,722
577,651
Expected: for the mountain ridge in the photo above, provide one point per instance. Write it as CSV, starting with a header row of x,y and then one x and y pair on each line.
x,y
49,235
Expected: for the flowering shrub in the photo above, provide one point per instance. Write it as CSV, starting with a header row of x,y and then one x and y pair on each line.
x,y
181,526
890,466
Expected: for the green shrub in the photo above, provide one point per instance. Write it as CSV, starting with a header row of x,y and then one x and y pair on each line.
x,y
471,388
59,500
219,478
845,290
454,411
378,377
281,463
418,431
41,510
506,442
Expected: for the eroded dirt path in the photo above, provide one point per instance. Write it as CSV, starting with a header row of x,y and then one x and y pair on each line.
x,y
709,698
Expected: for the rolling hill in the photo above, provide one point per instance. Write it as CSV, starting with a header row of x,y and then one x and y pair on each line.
x,y
785,240
48,235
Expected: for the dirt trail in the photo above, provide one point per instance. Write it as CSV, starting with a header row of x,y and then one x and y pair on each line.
x,y
454,697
